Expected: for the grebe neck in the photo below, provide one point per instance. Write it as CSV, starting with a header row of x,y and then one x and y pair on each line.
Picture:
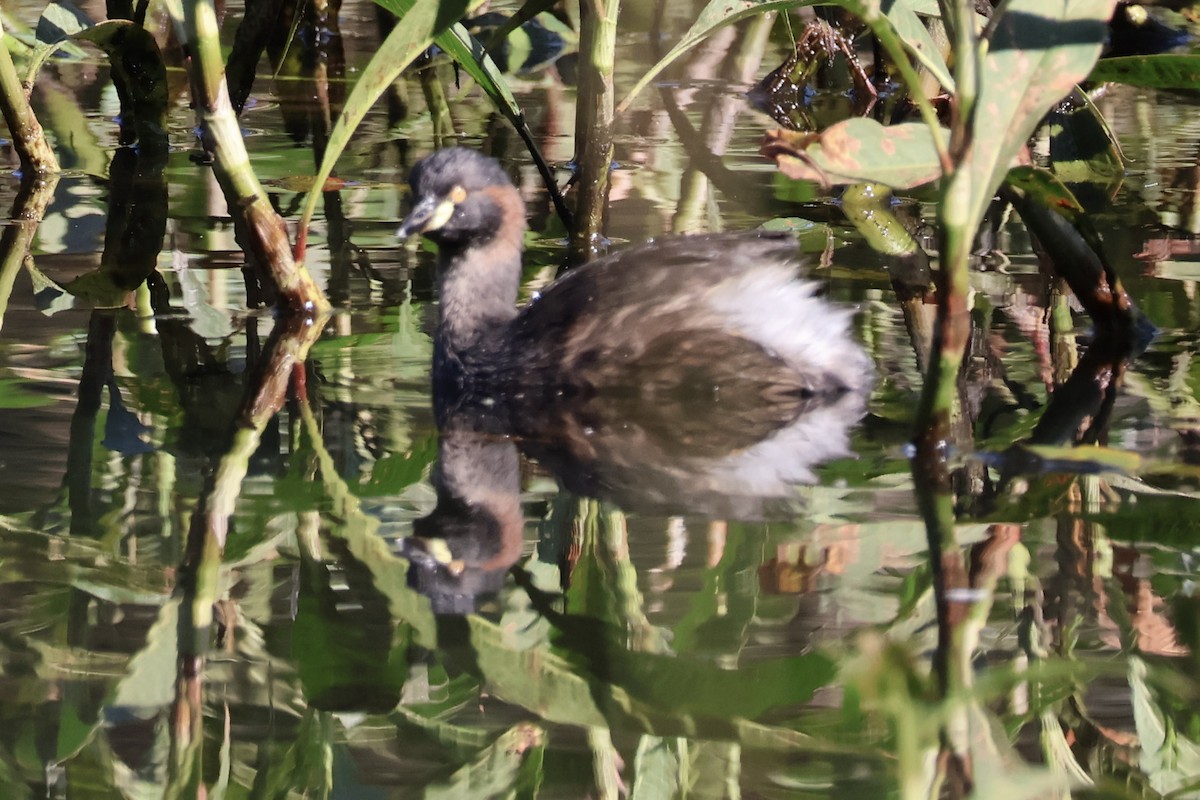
x,y
477,295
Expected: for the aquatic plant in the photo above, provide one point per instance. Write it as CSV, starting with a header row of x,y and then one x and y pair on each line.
x,y
579,668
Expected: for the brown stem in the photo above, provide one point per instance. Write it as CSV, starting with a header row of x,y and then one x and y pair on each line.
x,y
594,122
29,139
262,231
34,197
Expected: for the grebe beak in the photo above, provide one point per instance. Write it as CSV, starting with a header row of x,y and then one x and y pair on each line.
x,y
429,214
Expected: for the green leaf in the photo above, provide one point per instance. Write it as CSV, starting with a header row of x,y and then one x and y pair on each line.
x,y
59,21
139,74
470,54
900,23
1044,186
1163,71
496,770
397,471
419,22
1036,53
1081,459
558,691
858,150
13,395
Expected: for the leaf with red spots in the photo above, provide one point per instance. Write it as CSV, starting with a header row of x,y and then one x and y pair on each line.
x,y
857,150
1035,54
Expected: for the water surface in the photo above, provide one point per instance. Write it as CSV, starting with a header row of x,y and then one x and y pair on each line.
x,y
663,649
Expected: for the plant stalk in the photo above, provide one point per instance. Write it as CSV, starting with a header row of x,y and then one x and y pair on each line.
x,y
593,123
29,140
261,230
30,206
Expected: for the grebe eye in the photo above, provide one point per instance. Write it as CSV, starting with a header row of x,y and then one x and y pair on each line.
x,y
457,195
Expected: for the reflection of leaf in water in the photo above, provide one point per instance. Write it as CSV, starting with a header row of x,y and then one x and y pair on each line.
x,y
304,183
149,682
139,75
58,21
1085,459
715,15
14,395
1177,270
48,295
659,768
360,532
1169,759
348,654
1151,515
330,346
1058,750
75,141
717,620
661,693
1161,71
1001,774
813,236
396,471
495,770
431,696
206,321
98,289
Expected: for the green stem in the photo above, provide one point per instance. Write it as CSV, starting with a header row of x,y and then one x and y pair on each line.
x,y
916,93
594,120
960,19
868,208
29,139
261,230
